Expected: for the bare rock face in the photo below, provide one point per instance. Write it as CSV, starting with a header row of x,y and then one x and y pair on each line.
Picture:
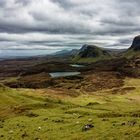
x,y
136,44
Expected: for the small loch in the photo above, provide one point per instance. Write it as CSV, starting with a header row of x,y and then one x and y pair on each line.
x,y
77,66
63,74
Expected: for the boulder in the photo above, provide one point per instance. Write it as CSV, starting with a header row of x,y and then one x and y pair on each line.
x,y
87,127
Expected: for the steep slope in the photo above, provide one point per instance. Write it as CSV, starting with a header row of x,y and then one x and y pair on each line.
x,y
91,53
136,44
134,50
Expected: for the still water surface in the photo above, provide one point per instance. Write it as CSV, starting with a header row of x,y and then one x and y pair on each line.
x,y
63,74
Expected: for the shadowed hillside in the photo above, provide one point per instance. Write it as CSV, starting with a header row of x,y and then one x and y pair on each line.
x,y
91,53
134,50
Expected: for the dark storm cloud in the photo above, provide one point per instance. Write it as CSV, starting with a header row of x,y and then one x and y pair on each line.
x,y
2,3
60,24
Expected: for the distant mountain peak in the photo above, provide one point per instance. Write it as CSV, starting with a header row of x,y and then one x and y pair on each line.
x,y
66,52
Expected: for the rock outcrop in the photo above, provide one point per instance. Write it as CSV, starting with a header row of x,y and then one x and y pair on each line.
x,y
136,44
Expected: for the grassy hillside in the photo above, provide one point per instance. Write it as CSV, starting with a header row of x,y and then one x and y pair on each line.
x,y
134,50
91,53
78,59
131,53
46,115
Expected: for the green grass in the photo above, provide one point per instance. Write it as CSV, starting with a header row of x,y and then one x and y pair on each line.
x,y
78,59
11,79
26,114
131,53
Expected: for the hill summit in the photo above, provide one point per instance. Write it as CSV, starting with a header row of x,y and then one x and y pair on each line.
x,y
91,53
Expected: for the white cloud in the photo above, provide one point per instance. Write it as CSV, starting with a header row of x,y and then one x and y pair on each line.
x,y
59,24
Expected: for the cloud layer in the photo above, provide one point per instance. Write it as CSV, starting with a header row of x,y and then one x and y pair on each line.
x,y
68,24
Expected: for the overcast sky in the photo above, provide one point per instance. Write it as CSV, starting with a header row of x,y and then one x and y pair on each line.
x,y
68,24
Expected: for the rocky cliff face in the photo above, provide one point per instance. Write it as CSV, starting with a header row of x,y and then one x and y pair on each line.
x,y
136,44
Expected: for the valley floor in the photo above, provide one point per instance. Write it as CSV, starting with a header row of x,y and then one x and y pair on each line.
x,y
46,114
